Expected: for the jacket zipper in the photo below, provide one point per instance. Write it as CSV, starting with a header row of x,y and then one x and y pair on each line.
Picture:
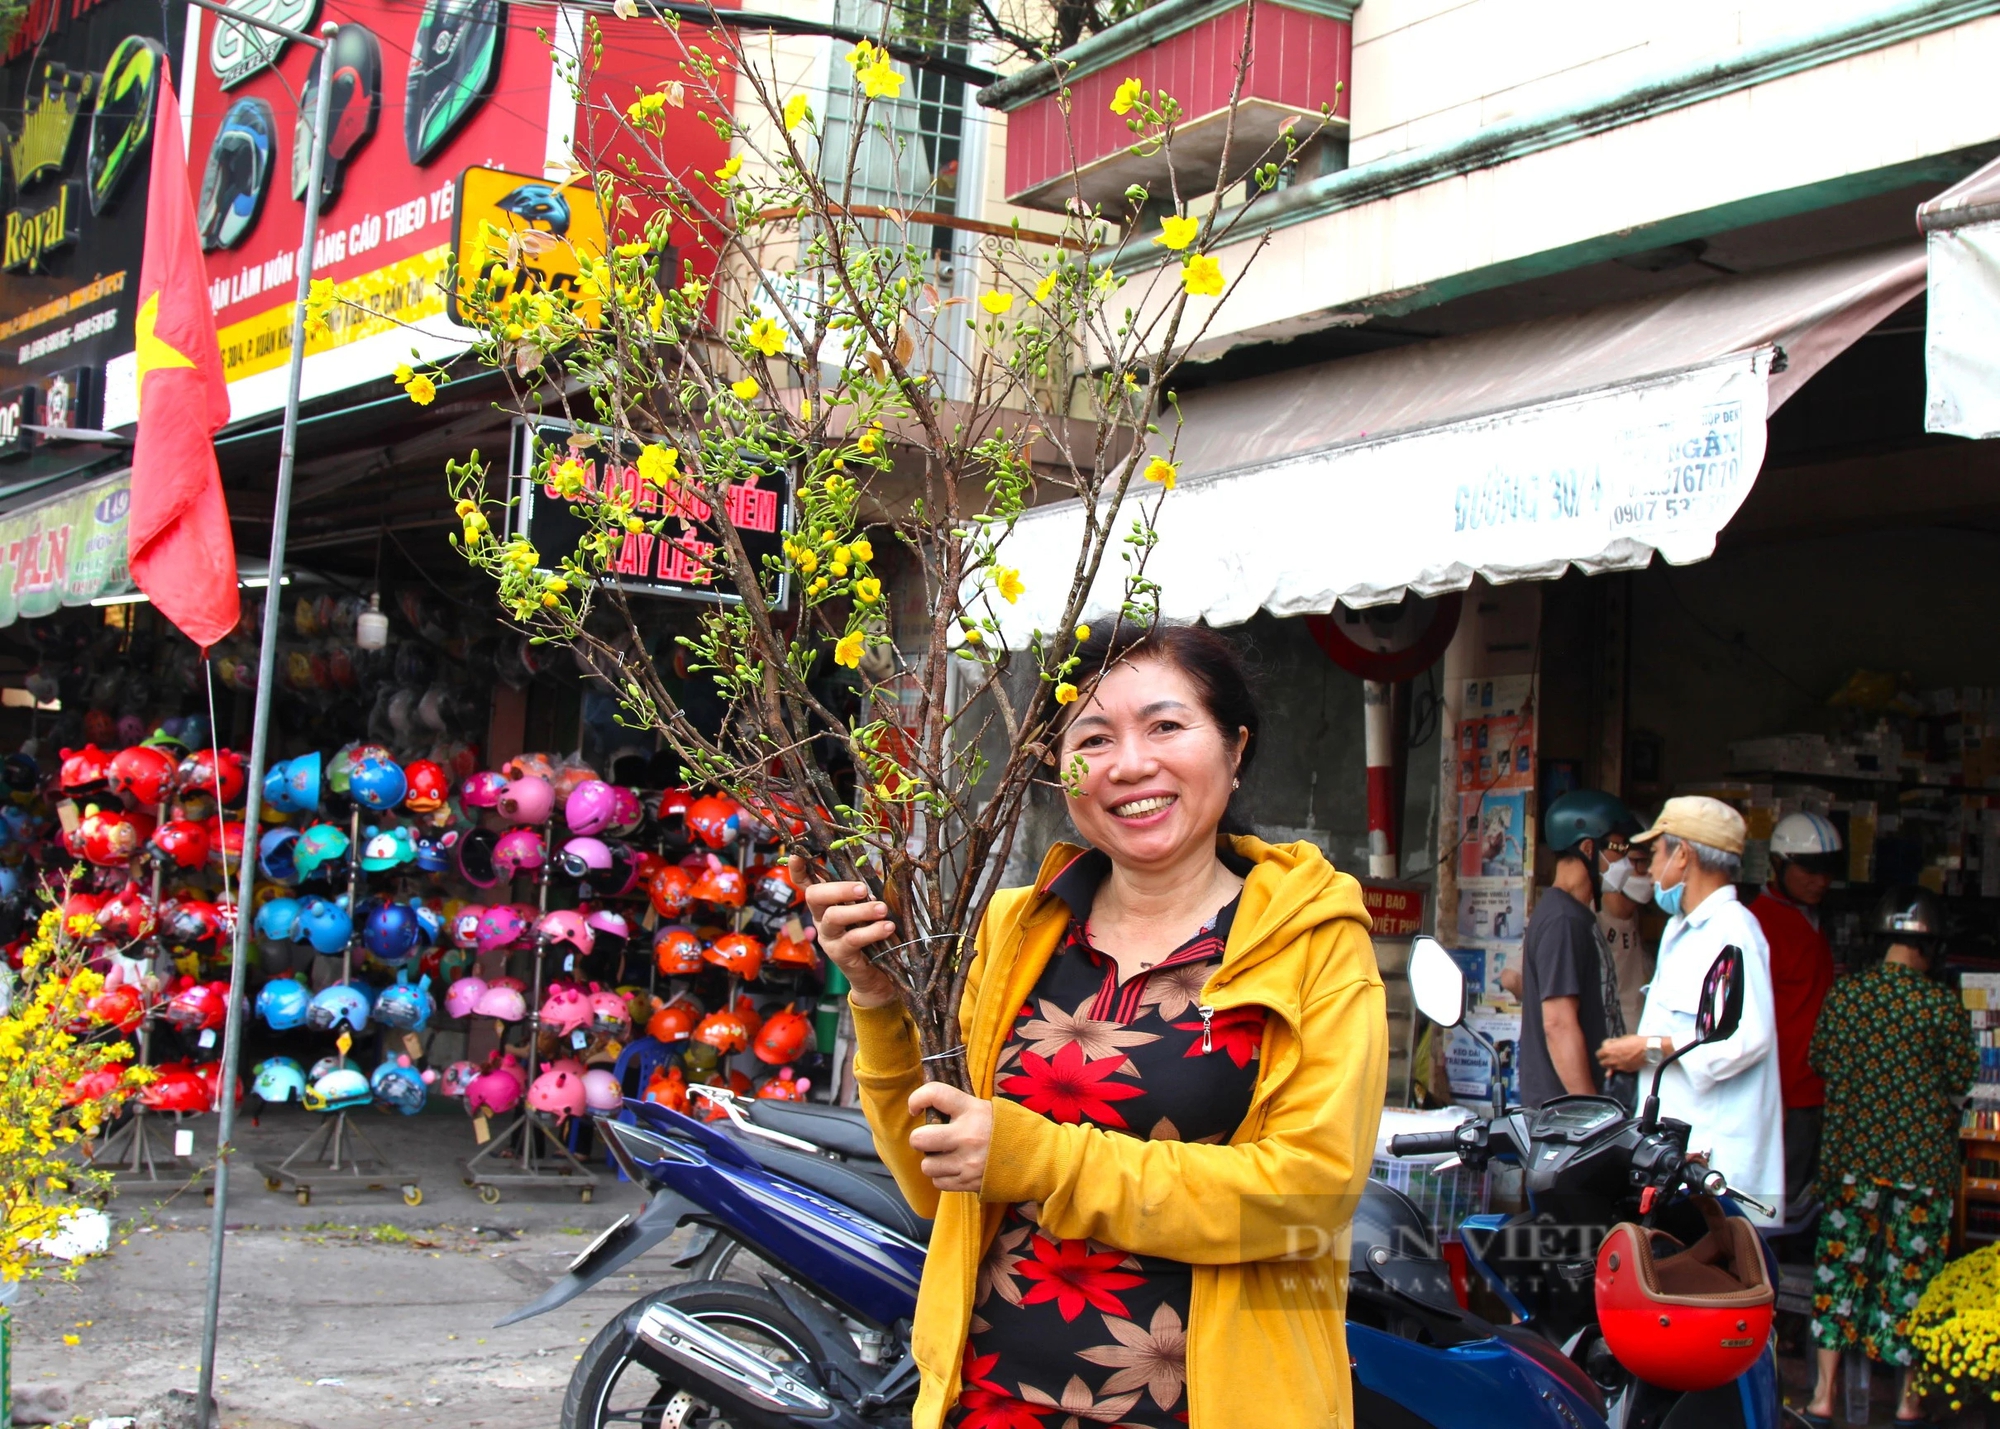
x,y
1207,1028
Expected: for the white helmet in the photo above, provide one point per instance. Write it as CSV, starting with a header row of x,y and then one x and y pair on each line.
x,y
1802,835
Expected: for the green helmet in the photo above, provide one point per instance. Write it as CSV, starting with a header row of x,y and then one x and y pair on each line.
x,y
1583,814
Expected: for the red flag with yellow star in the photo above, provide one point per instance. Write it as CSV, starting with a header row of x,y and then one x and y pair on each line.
x,y
179,546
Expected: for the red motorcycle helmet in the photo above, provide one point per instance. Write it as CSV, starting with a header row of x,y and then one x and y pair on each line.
x,y
118,1007
225,841
209,1074
184,842
736,953
783,1037
200,1008
787,951
676,950
111,836
672,1023
1688,1319
223,779
670,890
175,1087
775,890
85,771
721,886
674,805
429,787
724,1031
142,774
714,819
127,915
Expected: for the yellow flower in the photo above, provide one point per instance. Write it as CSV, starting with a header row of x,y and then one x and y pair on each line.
x,y
422,390
1127,96
1046,286
807,559
1007,581
862,550
659,465
1065,693
868,590
1162,471
880,80
319,302
805,409
656,312
746,390
403,374
570,478
848,650
1202,276
767,337
796,108
72,1339
1082,633
728,170
972,635
1177,233
869,440
861,56
996,302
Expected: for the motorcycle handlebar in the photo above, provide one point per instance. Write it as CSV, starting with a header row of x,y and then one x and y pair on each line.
x,y
1423,1143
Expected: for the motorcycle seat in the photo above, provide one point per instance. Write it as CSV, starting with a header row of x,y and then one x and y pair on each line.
x,y
876,1197
843,1130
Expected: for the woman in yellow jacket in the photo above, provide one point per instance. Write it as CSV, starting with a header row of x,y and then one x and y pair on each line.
x,y
1178,1041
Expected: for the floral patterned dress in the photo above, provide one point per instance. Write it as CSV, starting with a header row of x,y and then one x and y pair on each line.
x,y
1067,1333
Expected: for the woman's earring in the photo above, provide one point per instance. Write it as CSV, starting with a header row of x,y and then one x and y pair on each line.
x,y
1236,783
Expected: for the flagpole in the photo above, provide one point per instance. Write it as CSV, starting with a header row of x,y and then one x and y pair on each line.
x,y
267,659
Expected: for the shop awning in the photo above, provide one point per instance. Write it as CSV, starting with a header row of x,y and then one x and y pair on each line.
x,y
1962,237
1592,440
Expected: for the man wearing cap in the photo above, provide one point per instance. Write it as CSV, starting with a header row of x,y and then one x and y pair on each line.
x,y
1727,1091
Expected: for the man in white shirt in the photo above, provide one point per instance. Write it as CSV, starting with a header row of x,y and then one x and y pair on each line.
x,y
1727,1091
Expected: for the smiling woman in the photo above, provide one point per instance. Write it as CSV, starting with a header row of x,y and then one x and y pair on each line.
x,y
1178,1044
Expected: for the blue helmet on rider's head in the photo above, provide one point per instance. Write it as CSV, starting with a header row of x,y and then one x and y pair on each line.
x,y
1584,814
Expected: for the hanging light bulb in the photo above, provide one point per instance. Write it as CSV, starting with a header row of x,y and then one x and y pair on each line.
x,y
371,628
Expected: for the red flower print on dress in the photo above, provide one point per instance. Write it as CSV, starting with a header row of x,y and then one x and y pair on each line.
x,y
1070,1089
1073,1276
986,1409
977,1367
1239,1031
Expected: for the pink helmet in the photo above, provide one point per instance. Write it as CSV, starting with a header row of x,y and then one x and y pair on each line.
x,y
457,1077
504,1003
558,1093
601,1091
630,811
494,1090
500,926
519,851
482,790
609,920
566,925
590,808
461,999
609,1013
465,927
566,1010
510,1066
583,857
527,800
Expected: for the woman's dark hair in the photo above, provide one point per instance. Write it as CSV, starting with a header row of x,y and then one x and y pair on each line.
x,y
1212,665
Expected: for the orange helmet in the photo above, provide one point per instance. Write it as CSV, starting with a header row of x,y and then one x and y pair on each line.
x,y
782,1086
673,1022
788,951
671,889
783,1037
1691,1319
736,953
746,1010
722,885
676,950
724,1031
668,1087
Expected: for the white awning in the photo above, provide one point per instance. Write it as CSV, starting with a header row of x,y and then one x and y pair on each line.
x,y
1591,440
1962,236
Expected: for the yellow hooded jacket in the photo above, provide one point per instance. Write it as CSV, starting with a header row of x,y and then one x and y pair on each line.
x,y
1262,1219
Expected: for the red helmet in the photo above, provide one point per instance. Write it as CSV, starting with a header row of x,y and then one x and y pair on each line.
x,y
429,785
190,923
105,1084
676,950
225,841
83,905
185,842
782,1086
775,890
721,885
746,1010
142,774
112,836
85,771
671,889
674,1021
209,1074
736,953
175,1087
117,1007
788,951
1691,1319
714,819
724,1031
225,780
198,1008
674,804
783,1037
126,915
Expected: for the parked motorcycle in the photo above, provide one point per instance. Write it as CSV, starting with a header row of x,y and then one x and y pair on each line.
x,y
821,1337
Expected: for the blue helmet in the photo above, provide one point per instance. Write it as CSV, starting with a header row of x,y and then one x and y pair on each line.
x,y
333,1006
341,1089
283,1005
276,852
430,922
279,1079
436,851
391,932
326,925
400,1086
19,822
377,783
278,920
315,846
1584,814
10,880
404,1005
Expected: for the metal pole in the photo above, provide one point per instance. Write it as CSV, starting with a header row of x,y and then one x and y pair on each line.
x,y
260,736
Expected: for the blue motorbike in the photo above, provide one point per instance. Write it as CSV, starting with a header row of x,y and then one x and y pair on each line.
x,y
820,1336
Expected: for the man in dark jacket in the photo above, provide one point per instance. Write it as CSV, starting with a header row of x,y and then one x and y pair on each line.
x,y
1568,1006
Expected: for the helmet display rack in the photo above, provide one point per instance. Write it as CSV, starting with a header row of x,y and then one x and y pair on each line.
x,y
331,1156
129,1150
523,1137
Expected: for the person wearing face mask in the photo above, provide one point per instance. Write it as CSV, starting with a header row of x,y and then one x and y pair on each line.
x,y
1726,1091
1628,889
1806,857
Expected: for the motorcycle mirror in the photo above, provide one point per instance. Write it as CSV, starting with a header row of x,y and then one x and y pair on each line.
x,y
1721,1005
1437,983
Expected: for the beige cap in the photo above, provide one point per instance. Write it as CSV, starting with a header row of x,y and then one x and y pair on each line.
x,y
1701,819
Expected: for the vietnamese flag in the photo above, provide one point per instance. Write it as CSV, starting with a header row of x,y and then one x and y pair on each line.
x,y
179,546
